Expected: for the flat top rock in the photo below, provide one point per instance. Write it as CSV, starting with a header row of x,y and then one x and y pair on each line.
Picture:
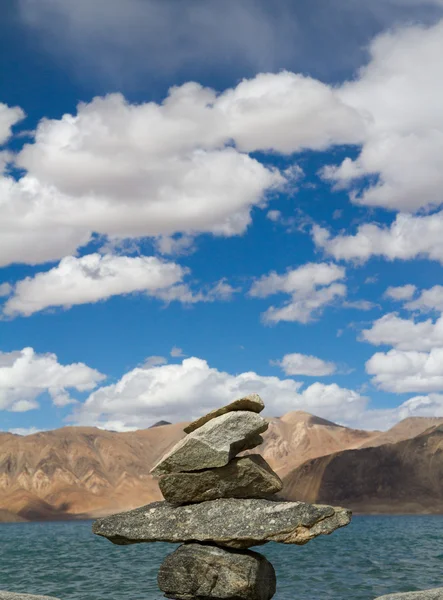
x,y
214,444
12,596
245,477
434,594
227,522
253,403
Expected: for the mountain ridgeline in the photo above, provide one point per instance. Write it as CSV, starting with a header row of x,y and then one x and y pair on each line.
x,y
85,472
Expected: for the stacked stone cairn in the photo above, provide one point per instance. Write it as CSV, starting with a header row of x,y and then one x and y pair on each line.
x,y
218,505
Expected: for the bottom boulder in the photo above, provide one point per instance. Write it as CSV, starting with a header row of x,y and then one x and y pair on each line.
x,y
206,572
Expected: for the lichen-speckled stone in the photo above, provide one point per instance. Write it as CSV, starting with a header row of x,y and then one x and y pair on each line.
x,y
214,444
197,572
434,594
246,477
253,403
226,522
12,596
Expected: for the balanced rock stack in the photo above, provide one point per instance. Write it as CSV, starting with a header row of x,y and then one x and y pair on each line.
x,y
218,506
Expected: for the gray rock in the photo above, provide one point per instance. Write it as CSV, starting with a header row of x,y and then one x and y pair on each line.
x,y
214,444
253,403
247,477
12,596
434,594
202,572
226,522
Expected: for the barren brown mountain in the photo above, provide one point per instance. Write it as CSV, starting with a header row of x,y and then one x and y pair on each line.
x,y
406,476
77,472
299,436
83,471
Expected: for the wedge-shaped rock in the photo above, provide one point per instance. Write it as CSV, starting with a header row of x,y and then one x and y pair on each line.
x,y
226,522
12,596
247,477
214,444
211,573
253,403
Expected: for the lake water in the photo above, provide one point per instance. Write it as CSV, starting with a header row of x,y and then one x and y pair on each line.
x,y
372,556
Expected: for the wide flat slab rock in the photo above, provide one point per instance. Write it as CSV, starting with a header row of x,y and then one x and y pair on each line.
x,y
434,594
214,444
12,596
197,572
246,477
253,403
226,522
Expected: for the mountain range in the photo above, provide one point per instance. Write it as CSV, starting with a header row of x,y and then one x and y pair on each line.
x,y
85,472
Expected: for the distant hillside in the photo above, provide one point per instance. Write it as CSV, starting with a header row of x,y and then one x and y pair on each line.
x,y
406,476
7,516
83,471
80,472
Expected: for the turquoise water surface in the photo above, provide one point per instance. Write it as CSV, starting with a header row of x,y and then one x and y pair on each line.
x,y
372,556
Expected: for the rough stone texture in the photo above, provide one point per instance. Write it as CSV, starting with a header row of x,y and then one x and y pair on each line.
x,y
247,477
202,572
226,522
434,594
12,596
253,403
214,444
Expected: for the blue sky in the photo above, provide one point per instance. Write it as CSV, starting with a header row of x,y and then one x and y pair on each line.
x,y
197,204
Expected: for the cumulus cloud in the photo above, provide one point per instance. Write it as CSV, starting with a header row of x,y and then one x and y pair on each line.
x,y
25,375
403,292
408,237
402,371
9,116
5,289
187,390
128,171
183,166
429,300
405,334
303,364
400,90
311,287
95,277
176,352
23,431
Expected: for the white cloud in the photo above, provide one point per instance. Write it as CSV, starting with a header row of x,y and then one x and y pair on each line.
x,y
94,277
401,91
176,352
182,166
5,289
403,292
128,171
303,364
401,371
360,304
9,116
408,237
89,279
422,406
187,390
405,334
24,430
429,300
154,361
25,375
311,287
289,112
274,215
